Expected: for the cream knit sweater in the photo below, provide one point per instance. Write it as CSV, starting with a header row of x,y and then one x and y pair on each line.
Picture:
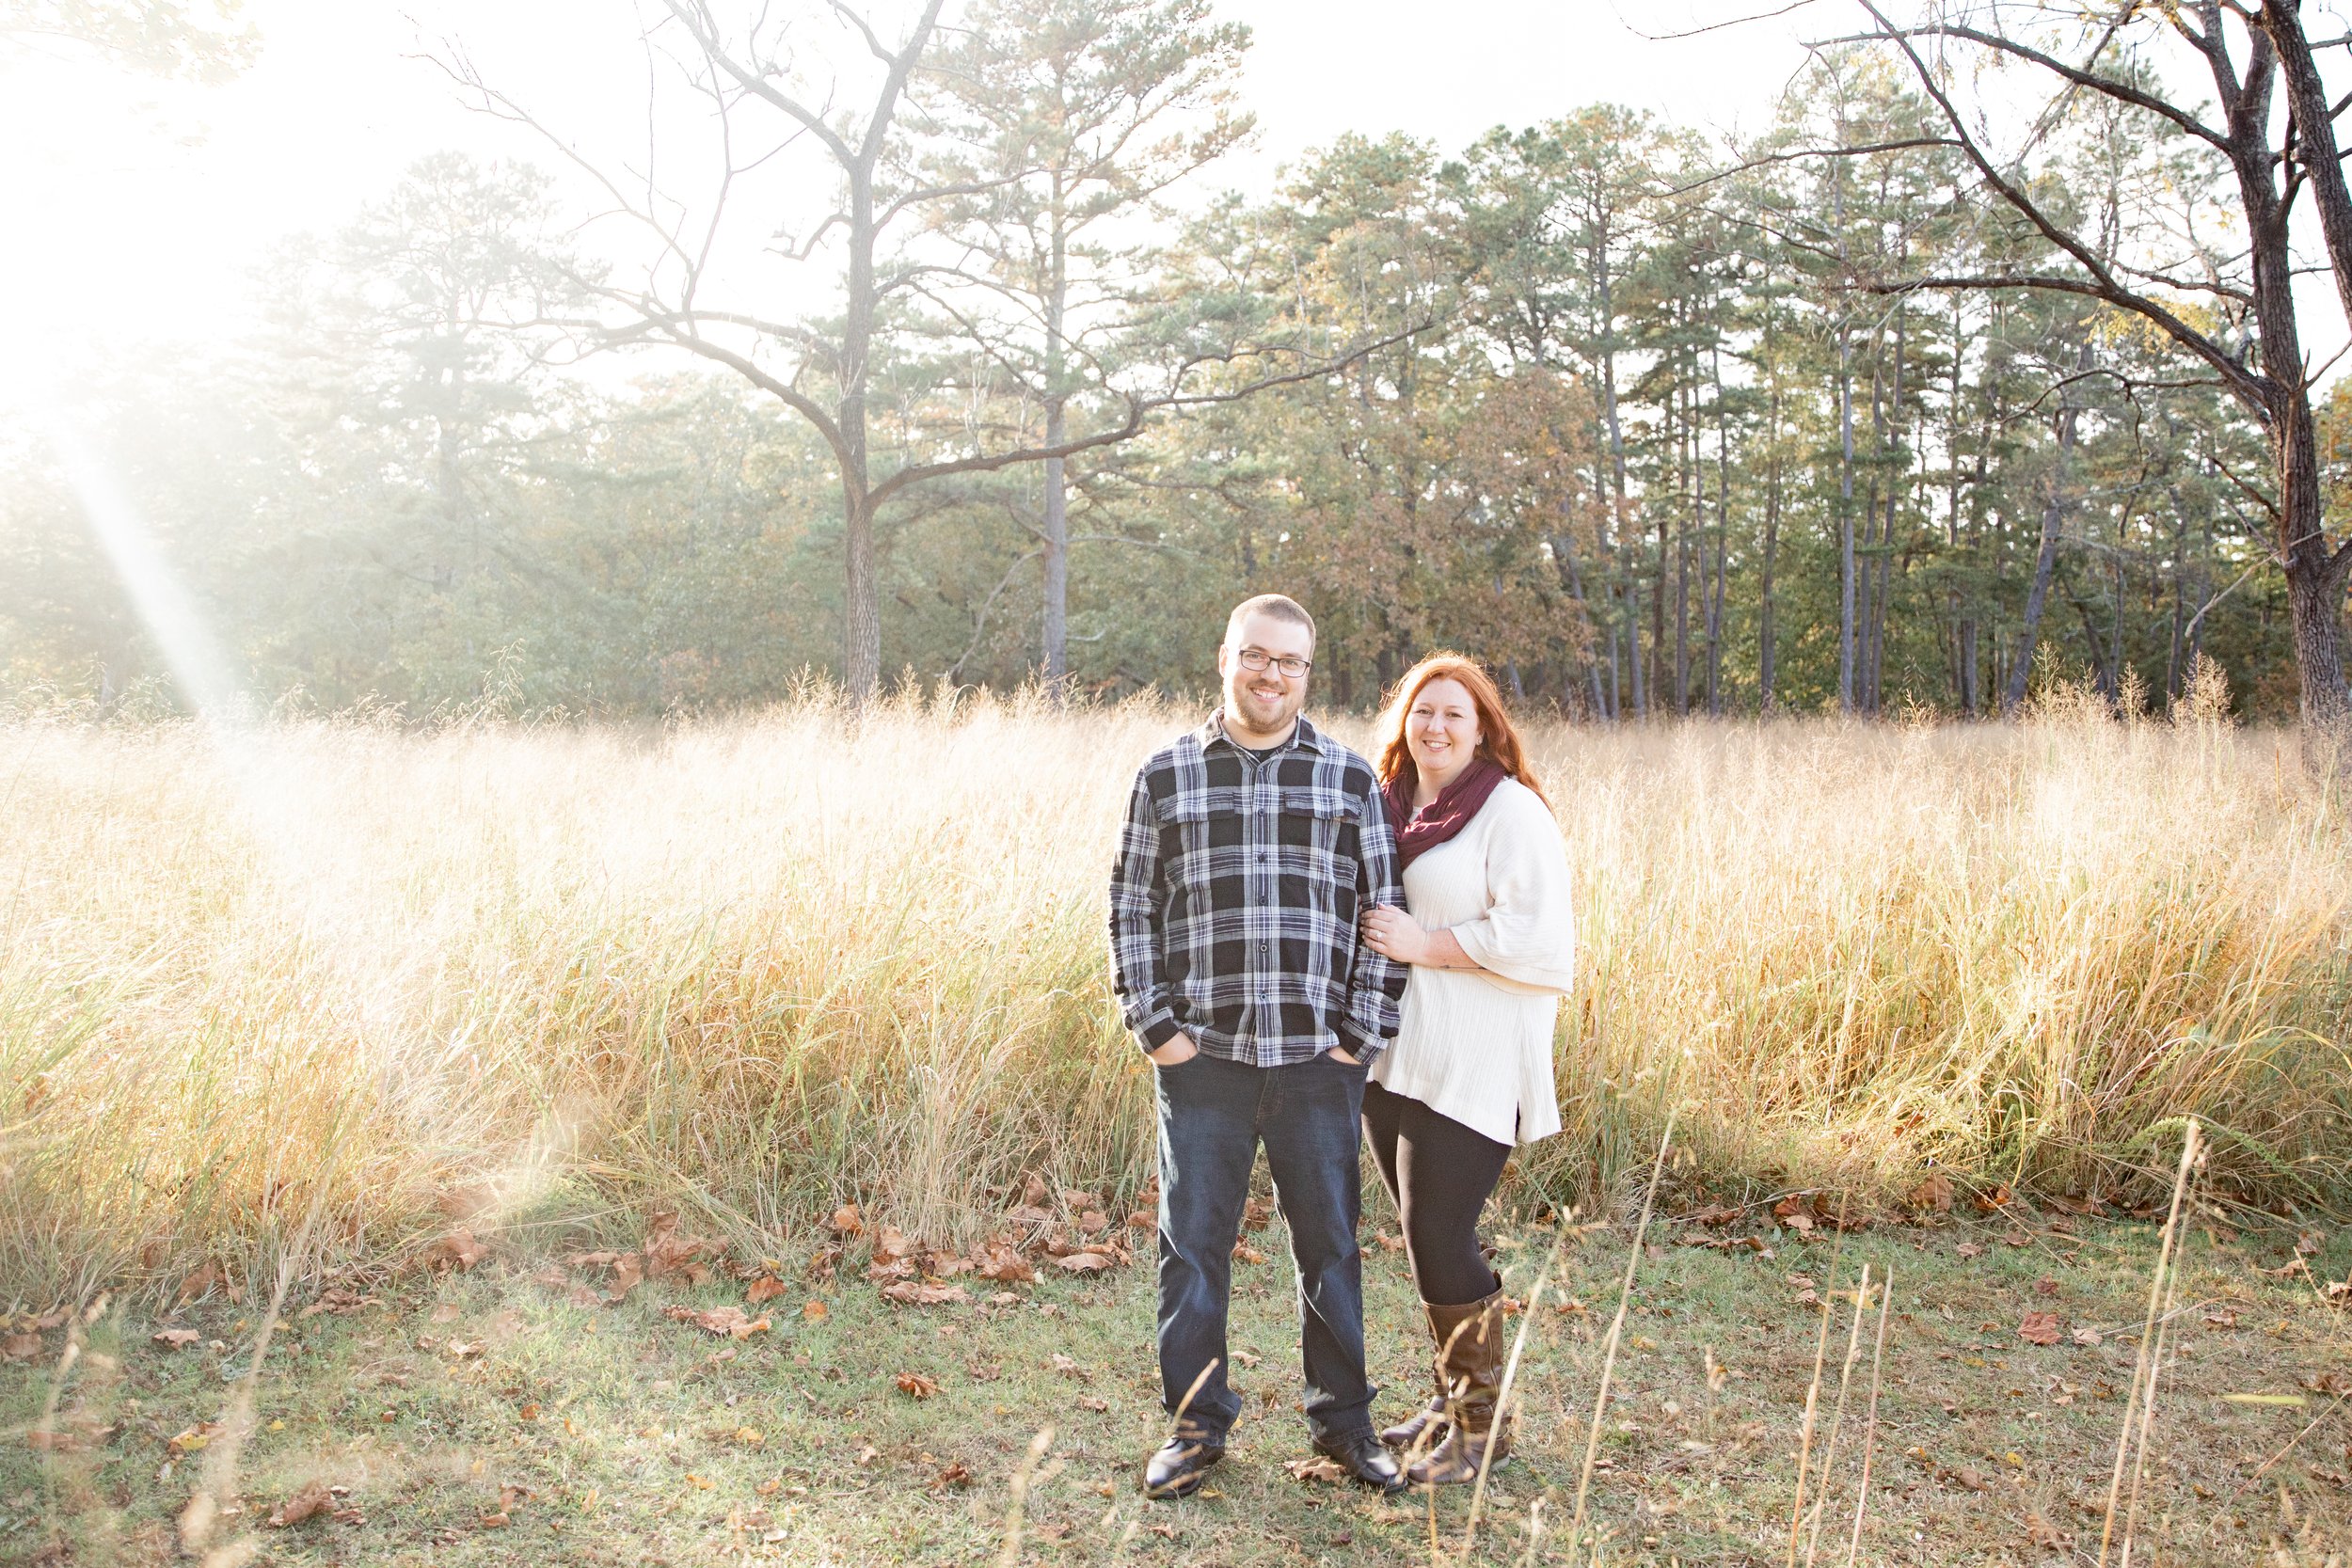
x,y
1476,1044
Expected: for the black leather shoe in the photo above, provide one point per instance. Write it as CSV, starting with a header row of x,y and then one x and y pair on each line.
x,y
1361,1456
1180,1467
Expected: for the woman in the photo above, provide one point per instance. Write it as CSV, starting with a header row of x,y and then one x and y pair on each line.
x,y
1491,941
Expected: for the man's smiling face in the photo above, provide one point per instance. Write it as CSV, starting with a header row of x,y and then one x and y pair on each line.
x,y
1263,703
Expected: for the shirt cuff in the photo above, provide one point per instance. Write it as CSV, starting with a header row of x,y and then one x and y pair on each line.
x,y
1354,1045
1159,1032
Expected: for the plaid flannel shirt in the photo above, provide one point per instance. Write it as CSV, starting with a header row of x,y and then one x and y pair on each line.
x,y
1235,897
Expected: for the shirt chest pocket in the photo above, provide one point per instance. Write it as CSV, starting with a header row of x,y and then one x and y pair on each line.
x,y
1293,830
1316,836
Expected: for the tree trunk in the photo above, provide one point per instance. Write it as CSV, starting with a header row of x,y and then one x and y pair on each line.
x,y
1845,520
2045,560
1765,672
1604,302
1685,460
861,617
1845,448
1055,630
2315,580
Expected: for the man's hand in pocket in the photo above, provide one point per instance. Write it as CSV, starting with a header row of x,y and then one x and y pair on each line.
x,y
1178,1050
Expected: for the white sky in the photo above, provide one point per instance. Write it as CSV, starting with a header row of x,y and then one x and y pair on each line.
x,y
137,209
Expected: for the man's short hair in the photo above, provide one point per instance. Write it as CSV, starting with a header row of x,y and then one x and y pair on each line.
x,y
1278,607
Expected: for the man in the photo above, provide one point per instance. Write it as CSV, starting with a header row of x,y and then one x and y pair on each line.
x,y
1251,845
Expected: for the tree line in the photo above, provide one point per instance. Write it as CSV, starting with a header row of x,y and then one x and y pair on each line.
x,y
1900,404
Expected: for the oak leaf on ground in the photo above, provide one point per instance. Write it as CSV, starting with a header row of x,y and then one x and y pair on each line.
x,y
1933,1196
206,1277
1315,1471
460,1250
999,1261
670,1255
308,1503
727,1322
2039,1328
913,1293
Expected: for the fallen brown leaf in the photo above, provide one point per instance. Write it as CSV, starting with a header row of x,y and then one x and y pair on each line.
x,y
670,1255
911,1292
997,1261
956,1474
1083,1263
458,1250
1315,1471
1933,1194
174,1338
19,1347
2039,1328
1243,1252
205,1277
766,1287
727,1322
311,1501
915,1386
846,1222
815,1311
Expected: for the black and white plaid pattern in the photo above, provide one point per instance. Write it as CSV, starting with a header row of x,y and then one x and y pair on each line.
x,y
1235,896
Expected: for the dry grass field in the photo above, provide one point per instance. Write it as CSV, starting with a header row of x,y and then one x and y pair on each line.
x,y
311,982
283,1010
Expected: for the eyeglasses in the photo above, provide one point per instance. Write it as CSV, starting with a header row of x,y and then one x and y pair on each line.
x,y
1291,665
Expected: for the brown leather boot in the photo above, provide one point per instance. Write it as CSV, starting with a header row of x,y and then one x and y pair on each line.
x,y
1429,1419
1472,1350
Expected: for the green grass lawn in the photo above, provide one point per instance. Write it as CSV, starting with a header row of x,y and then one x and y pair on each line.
x,y
486,1417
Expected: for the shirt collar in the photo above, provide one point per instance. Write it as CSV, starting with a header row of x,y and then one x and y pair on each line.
x,y
1213,734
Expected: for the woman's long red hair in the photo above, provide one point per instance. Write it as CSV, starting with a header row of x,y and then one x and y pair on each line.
x,y
1498,737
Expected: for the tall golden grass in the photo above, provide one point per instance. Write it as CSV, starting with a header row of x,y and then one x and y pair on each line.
x,y
336,973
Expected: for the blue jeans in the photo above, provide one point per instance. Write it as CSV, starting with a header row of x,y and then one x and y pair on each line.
x,y
1213,1116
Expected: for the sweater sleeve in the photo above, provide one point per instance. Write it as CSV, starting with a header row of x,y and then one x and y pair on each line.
x,y
1527,937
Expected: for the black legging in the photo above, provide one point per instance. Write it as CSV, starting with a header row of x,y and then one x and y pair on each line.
x,y
1440,1174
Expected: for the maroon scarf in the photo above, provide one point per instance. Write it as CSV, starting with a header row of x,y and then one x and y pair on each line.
x,y
1444,817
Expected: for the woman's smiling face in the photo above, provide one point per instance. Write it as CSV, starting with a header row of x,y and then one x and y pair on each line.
x,y
1442,731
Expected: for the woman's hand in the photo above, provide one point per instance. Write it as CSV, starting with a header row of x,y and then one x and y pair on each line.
x,y
1395,935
